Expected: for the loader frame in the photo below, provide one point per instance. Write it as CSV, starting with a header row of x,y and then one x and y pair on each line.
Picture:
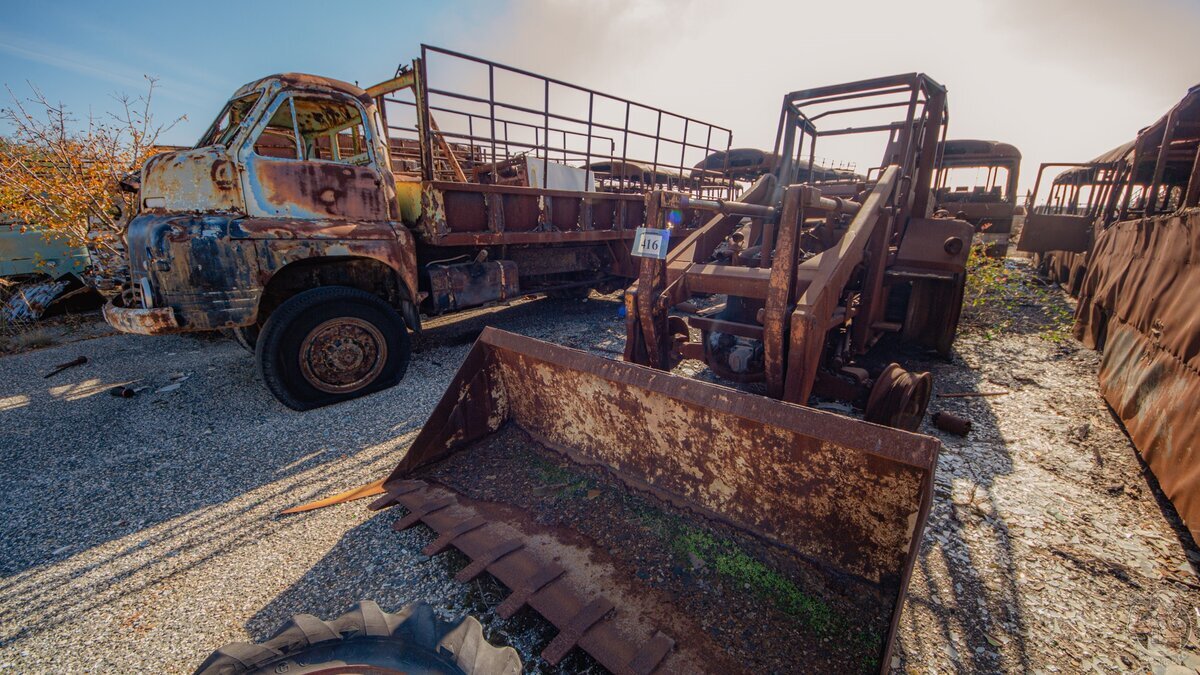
x,y
814,311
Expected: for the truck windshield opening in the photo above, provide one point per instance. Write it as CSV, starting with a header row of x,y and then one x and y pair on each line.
x,y
226,125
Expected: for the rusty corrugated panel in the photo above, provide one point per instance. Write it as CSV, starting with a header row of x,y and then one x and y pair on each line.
x,y
1138,304
847,497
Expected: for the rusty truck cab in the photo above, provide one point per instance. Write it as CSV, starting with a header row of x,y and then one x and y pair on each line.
x,y
977,182
294,168
281,224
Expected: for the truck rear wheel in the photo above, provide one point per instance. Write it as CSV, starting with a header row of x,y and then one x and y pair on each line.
x,y
331,344
368,640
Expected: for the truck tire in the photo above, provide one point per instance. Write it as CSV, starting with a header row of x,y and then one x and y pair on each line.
x,y
331,344
367,639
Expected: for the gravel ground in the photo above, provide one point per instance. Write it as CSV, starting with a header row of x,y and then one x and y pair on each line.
x,y
139,534
1049,546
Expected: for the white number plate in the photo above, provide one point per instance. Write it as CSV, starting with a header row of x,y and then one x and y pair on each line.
x,y
651,243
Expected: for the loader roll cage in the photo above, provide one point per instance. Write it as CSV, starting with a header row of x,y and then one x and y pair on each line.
x,y
912,143
814,266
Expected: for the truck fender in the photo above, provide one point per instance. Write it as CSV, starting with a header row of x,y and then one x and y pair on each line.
x,y
397,254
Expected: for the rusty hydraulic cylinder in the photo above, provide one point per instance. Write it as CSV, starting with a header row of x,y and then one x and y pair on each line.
x,y
729,208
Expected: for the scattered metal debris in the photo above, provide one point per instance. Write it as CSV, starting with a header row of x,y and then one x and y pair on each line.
x,y
34,299
970,394
948,421
78,361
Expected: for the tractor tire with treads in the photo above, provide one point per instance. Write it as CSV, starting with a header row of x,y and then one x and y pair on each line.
x,y
368,640
331,344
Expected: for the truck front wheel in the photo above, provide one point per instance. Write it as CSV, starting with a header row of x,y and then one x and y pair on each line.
x,y
331,344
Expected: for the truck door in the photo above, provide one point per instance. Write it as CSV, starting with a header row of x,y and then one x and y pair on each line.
x,y
1065,222
1045,232
313,160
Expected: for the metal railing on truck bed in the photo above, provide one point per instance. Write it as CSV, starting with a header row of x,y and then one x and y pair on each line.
x,y
504,156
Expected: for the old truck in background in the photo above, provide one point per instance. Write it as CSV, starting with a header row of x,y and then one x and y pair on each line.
x,y
319,220
1083,198
977,182
26,253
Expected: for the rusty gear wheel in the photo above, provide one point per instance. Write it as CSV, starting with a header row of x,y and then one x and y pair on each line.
x,y
368,640
899,398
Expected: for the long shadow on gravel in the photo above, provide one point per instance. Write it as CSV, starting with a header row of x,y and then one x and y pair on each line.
x,y
196,465
964,586
950,585
1014,560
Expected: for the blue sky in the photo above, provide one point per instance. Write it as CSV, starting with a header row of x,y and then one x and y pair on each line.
x,y
1062,79
81,53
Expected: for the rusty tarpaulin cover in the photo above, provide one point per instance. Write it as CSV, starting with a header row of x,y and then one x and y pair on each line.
x,y
1066,268
1138,304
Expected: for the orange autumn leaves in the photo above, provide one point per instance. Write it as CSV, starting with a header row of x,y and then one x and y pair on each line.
x,y
61,174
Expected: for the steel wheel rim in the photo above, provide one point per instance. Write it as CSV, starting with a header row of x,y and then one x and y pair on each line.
x,y
899,398
342,355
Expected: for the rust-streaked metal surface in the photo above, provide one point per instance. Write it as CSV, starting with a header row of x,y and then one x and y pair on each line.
x,y
1065,268
454,287
211,271
140,321
185,180
1138,304
848,496
1044,232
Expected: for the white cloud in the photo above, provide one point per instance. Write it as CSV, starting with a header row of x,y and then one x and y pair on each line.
x,y
1064,81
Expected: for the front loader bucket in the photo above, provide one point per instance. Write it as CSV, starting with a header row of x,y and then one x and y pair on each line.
x,y
664,524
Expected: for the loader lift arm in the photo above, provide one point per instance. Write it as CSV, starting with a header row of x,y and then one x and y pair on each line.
x,y
808,268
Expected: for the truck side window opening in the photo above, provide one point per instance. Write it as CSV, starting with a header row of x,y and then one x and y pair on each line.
x,y
332,131
278,138
328,131
223,129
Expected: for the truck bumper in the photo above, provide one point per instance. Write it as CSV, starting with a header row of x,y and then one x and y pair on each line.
x,y
154,321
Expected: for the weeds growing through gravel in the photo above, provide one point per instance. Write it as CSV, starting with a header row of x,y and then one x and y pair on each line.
x,y
1000,299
